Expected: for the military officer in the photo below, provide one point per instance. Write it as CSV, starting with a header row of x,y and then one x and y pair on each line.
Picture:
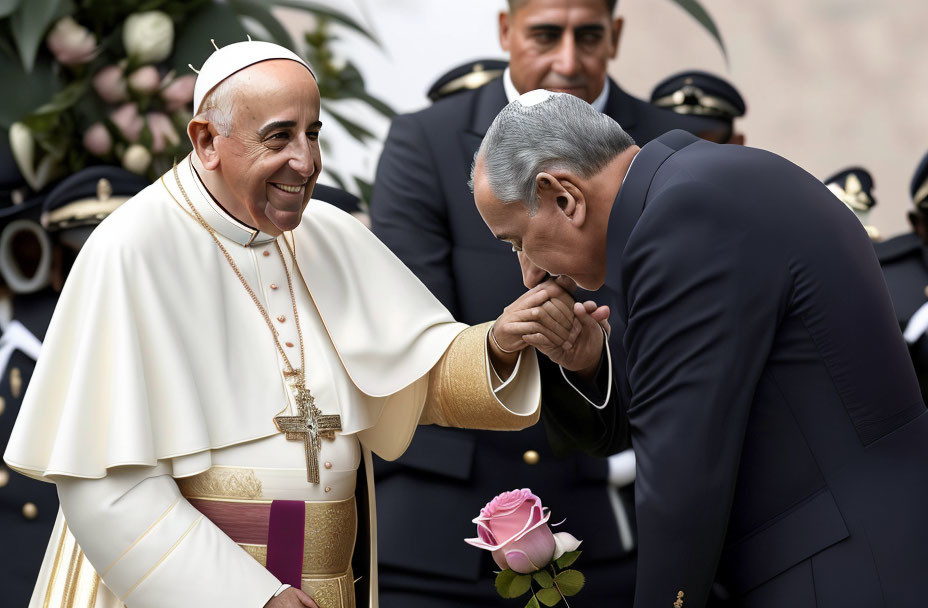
x,y
905,266
697,93
854,186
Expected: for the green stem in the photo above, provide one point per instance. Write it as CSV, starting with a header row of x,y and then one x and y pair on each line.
x,y
554,578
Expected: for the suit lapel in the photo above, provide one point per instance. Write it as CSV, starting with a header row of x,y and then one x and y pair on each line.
x,y
491,99
621,107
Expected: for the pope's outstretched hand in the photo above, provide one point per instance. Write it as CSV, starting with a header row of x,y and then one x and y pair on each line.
x,y
291,598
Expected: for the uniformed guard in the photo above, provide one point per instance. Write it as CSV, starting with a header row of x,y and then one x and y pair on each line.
x,y
703,94
854,186
905,266
39,239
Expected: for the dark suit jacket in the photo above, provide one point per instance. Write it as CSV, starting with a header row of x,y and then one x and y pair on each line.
x,y
424,211
23,539
905,267
781,438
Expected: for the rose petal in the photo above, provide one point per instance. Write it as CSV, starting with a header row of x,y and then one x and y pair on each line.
x,y
500,559
565,542
539,545
520,562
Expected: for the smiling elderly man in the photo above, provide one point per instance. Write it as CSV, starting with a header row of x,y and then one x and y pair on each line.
x,y
225,357
781,438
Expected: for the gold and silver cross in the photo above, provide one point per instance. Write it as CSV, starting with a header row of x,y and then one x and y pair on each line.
x,y
310,424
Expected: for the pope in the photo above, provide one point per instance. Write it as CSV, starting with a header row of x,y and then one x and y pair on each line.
x,y
226,356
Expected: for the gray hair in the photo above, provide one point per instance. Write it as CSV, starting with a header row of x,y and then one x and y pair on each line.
x,y
217,105
559,132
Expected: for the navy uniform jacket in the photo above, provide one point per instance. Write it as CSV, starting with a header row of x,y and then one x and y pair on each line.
x,y
424,211
905,266
24,530
781,437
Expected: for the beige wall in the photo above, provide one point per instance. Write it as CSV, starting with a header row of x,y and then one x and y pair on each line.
x,y
828,83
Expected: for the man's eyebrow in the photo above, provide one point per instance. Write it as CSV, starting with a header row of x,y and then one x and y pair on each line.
x,y
277,124
589,28
546,27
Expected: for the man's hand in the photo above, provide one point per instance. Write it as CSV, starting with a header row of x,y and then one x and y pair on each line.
x,y
583,353
291,598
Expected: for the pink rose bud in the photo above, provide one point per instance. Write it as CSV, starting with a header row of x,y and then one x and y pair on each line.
x,y
97,139
179,93
163,133
71,43
128,121
514,527
145,80
110,84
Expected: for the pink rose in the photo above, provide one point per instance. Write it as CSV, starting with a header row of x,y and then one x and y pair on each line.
x,y
128,120
110,84
145,80
179,93
71,43
514,526
97,139
163,133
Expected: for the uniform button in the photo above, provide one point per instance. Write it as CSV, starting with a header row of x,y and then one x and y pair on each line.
x,y
273,285
30,511
281,318
266,253
328,465
328,489
4,477
926,291
530,457
2,404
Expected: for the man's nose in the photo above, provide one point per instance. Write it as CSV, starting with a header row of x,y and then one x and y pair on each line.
x,y
567,60
532,275
301,158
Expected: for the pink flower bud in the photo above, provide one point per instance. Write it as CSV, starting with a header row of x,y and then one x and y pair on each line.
x,y
179,93
145,80
110,84
97,139
163,133
71,43
128,120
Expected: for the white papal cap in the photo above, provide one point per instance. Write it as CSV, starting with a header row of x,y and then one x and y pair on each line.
x,y
535,97
234,57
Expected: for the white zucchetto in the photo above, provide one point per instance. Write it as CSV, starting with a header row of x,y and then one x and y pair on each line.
x,y
234,57
535,97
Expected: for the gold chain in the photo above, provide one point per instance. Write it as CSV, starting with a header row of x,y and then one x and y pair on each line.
x,y
298,373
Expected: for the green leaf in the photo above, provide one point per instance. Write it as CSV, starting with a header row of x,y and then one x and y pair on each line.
x,y
544,579
570,582
549,597
567,559
511,584
327,13
697,12
32,90
377,104
354,129
365,189
262,14
29,23
192,45
8,6
532,603
65,98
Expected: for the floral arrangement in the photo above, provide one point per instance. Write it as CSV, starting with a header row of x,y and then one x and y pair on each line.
x,y
108,82
514,528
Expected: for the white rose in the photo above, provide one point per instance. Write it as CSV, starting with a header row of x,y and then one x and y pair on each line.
x,y
136,159
148,37
23,146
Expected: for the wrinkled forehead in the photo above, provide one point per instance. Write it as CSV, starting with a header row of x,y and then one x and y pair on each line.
x,y
273,89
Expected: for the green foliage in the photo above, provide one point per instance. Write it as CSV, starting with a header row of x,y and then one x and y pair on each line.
x,y
567,559
511,584
549,597
326,13
700,14
192,41
532,603
29,23
569,582
544,579
8,6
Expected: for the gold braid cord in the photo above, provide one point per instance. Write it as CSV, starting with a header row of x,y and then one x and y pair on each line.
x,y
459,392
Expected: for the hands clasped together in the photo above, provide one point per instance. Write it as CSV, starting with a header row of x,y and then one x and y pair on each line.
x,y
569,333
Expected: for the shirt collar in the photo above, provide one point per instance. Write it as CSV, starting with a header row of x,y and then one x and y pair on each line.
x,y
218,218
599,104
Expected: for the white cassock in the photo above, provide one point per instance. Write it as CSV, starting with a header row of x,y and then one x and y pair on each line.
x,y
152,404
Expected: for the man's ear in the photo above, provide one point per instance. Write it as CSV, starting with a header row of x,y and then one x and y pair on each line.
x,y
617,24
563,193
203,135
504,24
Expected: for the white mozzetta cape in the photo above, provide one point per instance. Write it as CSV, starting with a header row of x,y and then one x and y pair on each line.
x,y
156,352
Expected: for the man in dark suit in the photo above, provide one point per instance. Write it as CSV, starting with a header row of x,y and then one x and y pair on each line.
x,y
423,210
781,438
904,259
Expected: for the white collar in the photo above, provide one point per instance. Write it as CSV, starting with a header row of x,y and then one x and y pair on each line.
x,y
599,104
217,217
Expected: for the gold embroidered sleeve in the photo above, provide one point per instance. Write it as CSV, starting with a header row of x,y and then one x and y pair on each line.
x,y
460,393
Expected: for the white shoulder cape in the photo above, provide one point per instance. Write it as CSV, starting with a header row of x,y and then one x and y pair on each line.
x,y
139,364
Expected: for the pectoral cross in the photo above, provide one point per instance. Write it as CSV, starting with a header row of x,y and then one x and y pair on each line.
x,y
310,424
